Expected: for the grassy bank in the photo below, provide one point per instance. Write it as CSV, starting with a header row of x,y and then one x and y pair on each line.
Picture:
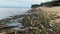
x,y
37,22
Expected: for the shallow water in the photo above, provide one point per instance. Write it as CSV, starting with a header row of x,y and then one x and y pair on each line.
x,y
6,12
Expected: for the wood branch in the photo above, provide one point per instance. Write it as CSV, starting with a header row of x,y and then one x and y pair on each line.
x,y
6,27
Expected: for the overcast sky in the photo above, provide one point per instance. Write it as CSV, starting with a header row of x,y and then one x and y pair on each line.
x,y
20,3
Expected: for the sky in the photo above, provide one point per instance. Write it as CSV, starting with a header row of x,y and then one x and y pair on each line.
x,y
20,3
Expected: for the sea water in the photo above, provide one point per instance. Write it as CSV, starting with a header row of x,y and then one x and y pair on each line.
x,y
6,12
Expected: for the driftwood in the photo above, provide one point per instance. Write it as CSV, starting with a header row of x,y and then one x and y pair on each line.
x,y
2,27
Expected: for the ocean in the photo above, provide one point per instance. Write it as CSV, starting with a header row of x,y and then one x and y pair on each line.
x,y
6,12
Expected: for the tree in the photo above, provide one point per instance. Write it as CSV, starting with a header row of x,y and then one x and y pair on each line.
x,y
35,5
56,0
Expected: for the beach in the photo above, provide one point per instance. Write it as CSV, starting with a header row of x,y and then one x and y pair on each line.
x,y
36,21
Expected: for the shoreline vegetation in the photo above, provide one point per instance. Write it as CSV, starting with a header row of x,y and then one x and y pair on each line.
x,y
35,21
47,4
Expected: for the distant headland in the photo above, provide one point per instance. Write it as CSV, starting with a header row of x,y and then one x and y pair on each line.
x,y
47,4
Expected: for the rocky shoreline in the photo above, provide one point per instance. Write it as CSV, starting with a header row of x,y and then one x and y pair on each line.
x,y
36,21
